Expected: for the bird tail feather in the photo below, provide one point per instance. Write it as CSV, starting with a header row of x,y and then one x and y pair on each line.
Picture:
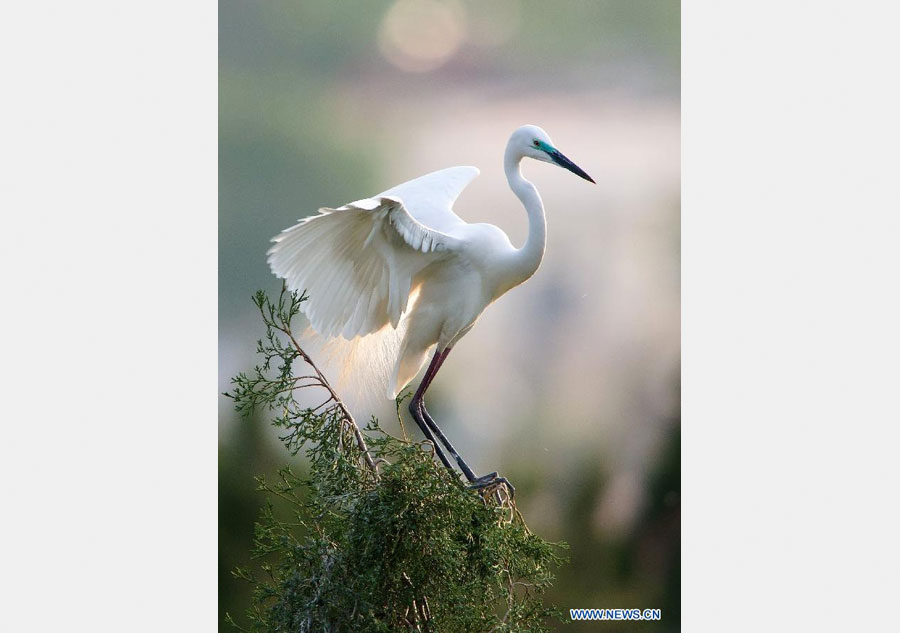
x,y
361,369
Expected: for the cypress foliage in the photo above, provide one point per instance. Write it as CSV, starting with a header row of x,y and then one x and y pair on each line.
x,y
379,536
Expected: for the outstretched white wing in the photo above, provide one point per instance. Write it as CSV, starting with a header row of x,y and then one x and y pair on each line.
x,y
357,263
429,198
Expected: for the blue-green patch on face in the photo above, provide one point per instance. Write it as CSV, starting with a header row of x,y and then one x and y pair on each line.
x,y
560,159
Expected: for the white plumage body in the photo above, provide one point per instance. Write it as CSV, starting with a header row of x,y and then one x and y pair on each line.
x,y
401,272
401,255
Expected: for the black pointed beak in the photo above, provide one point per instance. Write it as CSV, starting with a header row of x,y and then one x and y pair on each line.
x,y
560,159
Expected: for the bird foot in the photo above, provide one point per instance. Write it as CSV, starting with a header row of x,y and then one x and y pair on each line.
x,y
490,482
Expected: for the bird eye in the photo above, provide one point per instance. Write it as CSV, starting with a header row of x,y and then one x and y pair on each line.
x,y
537,143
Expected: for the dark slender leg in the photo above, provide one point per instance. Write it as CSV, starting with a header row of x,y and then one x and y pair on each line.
x,y
416,410
424,419
443,438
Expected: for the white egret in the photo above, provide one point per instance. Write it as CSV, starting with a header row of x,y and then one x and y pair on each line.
x,y
403,268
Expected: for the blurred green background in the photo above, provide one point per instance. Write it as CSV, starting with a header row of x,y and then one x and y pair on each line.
x,y
569,385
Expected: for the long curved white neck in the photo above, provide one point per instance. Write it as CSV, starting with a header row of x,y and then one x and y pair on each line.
x,y
528,258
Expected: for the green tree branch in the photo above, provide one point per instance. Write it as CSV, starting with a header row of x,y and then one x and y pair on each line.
x,y
378,536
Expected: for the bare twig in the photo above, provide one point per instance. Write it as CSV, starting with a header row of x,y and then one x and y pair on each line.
x,y
284,327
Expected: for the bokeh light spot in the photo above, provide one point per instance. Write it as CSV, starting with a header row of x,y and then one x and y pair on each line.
x,y
422,35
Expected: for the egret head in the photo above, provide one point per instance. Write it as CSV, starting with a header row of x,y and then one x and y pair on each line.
x,y
530,141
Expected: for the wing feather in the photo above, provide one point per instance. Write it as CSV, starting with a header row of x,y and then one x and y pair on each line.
x,y
429,198
357,263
